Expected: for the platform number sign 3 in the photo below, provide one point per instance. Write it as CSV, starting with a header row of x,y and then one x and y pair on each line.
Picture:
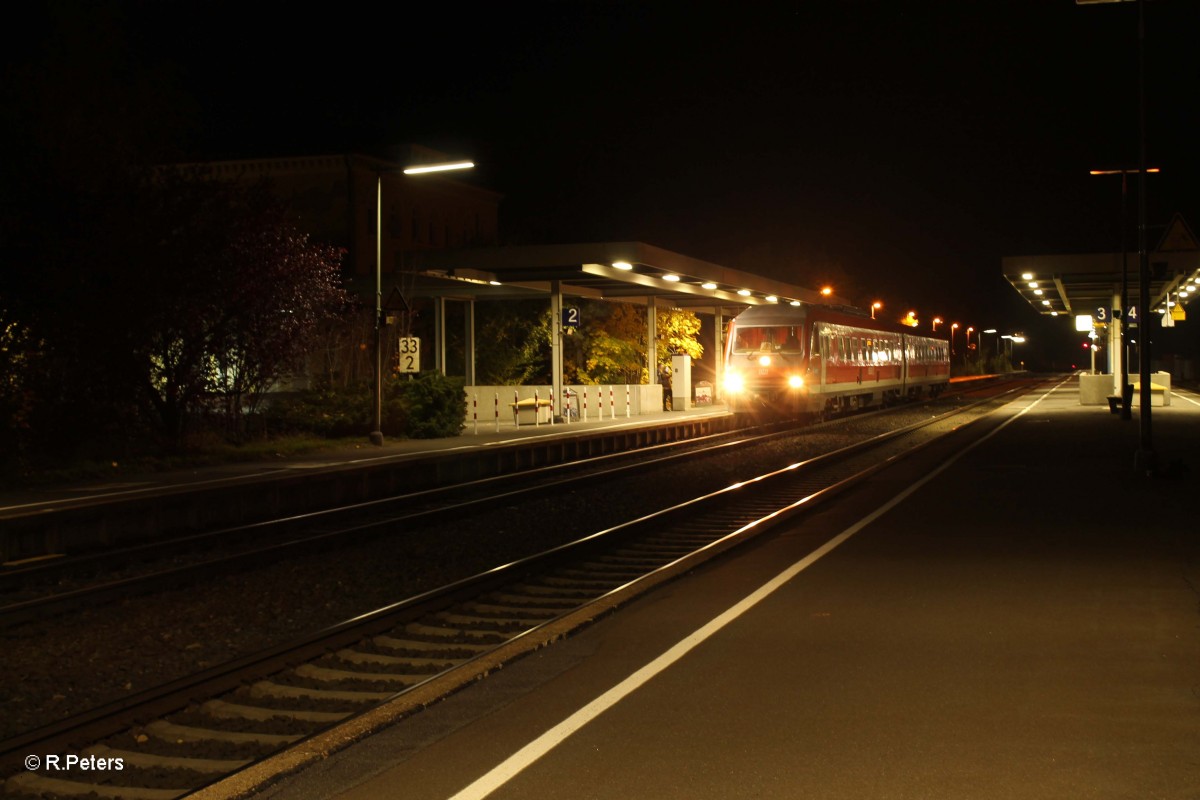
x,y
1102,316
409,350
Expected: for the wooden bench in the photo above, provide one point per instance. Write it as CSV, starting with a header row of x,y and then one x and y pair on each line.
x,y
531,411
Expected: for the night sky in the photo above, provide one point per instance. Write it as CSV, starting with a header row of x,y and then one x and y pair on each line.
x,y
897,149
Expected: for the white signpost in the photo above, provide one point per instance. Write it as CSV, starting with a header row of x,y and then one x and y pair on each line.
x,y
409,348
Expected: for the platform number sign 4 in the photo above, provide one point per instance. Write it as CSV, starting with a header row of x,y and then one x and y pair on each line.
x,y
409,350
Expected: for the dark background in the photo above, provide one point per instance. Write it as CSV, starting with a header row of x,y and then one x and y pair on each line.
x,y
896,149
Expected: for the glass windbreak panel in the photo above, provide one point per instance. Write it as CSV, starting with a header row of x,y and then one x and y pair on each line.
x,y
771,339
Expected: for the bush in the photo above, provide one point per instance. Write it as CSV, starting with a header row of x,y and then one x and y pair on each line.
x,y
429,406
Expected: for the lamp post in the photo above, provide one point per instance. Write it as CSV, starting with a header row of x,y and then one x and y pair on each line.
x,y
376,435
936,321
991,331
875,307
1144,459
1012,338
953,328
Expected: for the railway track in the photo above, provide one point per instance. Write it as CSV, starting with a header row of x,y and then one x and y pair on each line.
x,y
174,739
45,589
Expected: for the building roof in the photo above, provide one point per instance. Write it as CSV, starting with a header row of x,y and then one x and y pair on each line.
x,y
625,271
1082,283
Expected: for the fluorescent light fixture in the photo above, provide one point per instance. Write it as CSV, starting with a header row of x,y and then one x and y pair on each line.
x,y
1033,284
772,298
710,285
1026,276
450,165
670,277
622,265
744,292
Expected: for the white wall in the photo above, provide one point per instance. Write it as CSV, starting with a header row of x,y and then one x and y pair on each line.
x,y
488,402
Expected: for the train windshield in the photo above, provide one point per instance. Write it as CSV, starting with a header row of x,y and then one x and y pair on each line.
x,y
767,338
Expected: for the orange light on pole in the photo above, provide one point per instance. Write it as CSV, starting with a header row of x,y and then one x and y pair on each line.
x,y
953,327
826,291
936,321
875,307
969,329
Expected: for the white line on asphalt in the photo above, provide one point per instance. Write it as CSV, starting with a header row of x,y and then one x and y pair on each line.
x,y
518,761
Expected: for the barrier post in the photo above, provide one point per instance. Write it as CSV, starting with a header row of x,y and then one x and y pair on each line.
x,y
627,401
585,417
497,404
536,416
516,401
612,406
551,405
475,411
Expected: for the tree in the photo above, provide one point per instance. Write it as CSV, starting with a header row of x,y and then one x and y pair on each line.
x,y
512,342
231,297
615,349
614,346
280,290
677,332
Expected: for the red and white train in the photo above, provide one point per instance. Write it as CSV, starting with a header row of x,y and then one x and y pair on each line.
x,y
815,359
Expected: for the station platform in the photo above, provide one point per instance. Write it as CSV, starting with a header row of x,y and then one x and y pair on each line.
x,y
1026,623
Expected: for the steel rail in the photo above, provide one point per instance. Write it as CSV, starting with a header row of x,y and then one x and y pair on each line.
x,y
608,561
441,503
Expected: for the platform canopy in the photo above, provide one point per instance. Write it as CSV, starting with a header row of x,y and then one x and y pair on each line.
x,y
1083,283
632,272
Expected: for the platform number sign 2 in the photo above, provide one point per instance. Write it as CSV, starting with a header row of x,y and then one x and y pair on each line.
x,y
409,350
570,317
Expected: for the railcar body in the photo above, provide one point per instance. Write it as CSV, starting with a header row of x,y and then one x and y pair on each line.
x,y
815,359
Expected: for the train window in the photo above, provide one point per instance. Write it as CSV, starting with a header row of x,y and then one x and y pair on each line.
x,y
779,338
791,342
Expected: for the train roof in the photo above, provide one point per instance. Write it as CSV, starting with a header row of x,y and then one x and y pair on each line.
x,y
792,315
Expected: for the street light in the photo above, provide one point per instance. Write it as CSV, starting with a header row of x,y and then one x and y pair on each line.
x,y
988,331
875,307
376,435
1145,459
953,327
1013,338
936,321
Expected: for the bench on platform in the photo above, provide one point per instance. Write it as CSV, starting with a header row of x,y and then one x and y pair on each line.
x,y
531,411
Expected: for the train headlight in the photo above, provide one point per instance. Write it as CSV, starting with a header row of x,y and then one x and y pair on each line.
x,y
764,361
734,382
795,382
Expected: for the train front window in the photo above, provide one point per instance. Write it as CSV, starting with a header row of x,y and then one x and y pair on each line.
x,y
772,339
